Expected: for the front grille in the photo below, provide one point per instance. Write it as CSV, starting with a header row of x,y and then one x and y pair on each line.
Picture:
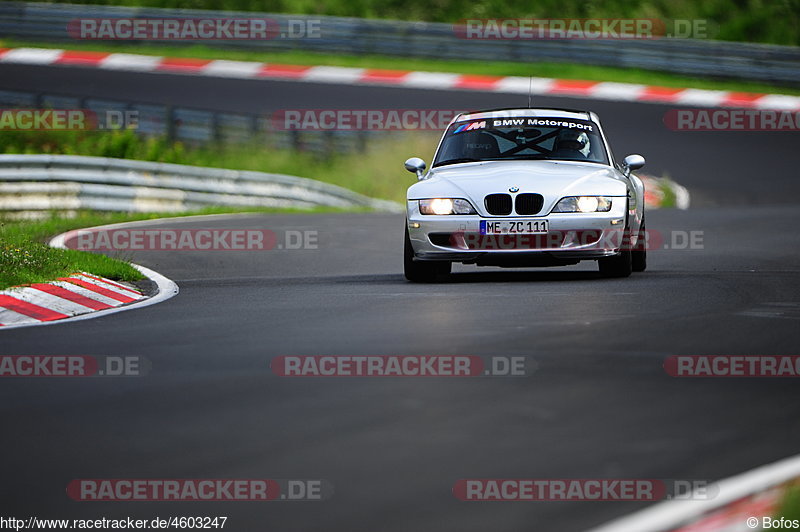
x,y
498,204
529,203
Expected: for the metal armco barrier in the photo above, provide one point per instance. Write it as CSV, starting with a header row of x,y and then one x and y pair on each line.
x,y
198,127
30,183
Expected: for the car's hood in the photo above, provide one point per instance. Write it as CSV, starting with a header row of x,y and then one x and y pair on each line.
x,y
551,179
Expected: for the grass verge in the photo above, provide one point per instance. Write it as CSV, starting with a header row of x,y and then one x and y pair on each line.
x,y
25,257
494,68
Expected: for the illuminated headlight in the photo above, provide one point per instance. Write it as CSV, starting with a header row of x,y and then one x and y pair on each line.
x,y
584,204
445,206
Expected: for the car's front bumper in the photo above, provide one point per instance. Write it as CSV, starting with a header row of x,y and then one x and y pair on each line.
x,y
571,237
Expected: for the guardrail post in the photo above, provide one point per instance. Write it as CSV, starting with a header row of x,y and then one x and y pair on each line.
x,y
361,141
296,142
169,120
328,144
253,123
216,130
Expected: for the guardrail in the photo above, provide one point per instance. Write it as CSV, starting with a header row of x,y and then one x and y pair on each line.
x,y
707,58
31,183
198,126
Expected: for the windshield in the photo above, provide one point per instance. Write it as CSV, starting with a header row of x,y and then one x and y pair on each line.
x,y
522,138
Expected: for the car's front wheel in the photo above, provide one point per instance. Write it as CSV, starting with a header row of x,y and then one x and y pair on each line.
x,y
639,255
422,271
617,266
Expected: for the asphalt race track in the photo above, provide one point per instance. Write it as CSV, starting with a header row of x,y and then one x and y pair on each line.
x,y
598,405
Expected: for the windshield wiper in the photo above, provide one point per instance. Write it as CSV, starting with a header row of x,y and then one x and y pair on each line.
x,y
459,160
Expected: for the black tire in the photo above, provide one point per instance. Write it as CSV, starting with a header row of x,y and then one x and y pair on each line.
x,y
639,255
422,271
617,266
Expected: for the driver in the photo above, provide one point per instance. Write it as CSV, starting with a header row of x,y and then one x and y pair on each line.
x,y
570,144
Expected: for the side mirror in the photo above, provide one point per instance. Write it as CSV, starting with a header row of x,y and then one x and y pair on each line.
x,y
632,162
416,165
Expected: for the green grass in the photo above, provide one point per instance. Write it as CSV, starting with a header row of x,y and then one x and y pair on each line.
x,y
790,507
25,257
669,200
767,21
32,262
494,68
118,144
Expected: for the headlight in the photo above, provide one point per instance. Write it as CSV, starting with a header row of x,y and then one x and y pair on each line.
x,y
584,204
445,206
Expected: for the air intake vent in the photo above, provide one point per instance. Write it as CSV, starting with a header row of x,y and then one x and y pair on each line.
x,y
498,204
529,203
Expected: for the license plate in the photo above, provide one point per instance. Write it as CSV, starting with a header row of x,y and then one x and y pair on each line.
x,y
513,227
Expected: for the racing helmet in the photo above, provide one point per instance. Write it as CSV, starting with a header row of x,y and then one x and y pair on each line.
x,y
569,139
